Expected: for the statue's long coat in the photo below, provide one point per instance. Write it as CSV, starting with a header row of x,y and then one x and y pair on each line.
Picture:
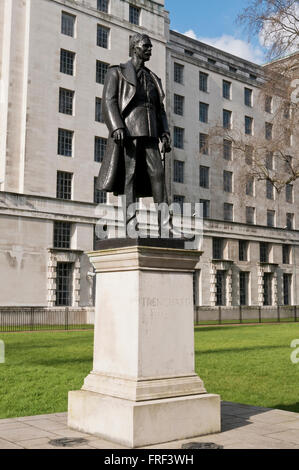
x,y
119,90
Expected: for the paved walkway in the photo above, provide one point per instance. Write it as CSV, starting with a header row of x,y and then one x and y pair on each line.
x,y
243,427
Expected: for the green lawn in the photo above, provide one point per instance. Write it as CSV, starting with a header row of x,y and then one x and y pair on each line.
x,y
245,364
249,364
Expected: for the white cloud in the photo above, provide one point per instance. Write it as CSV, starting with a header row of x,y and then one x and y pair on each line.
x,y
232,45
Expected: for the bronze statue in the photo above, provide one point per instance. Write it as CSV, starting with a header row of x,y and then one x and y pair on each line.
x,y
135,116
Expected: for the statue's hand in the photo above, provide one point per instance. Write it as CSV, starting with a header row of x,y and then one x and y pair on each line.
x,y
119,136
166,143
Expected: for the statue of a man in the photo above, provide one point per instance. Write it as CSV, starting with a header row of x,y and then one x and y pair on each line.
x,y
135,116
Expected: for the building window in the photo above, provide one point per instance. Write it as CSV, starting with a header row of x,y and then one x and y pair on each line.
x,y
244,283
178,171
98,110
227,181
178,105
267,288
268,104
102,5
289,193
269,190
227,119
134,15
65,142
68,24
103,36
66,99
203,81
232,69
250,215
217,248
67,60
178,73
270,218
248,97
243,250
64,284
264,252
220,288
205,208
204,143
101,70
227,149
99,197
64,185
204,176
62,235
290,221
248,125
250,186
177,199
286,254
100,145
287,284
269,161
228,210
248,154
268,130
203,112
178,137
188,52
226,89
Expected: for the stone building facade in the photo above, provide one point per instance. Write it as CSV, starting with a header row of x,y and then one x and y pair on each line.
x,y
53,60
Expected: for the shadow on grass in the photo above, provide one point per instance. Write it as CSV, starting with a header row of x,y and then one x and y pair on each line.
x,y
294,407
57,362
236,350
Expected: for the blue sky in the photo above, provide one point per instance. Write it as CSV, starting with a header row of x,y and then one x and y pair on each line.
x,y
213,22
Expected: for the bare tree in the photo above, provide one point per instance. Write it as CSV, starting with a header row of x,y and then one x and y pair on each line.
x,y
276,22
270,150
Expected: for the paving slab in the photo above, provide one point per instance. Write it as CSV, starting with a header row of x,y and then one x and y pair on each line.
x,y
243,427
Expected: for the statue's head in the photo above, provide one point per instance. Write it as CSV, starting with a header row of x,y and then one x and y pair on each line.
x,y
141,46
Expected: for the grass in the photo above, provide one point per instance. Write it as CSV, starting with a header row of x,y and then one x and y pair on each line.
x,y
244,364
249,364
40,368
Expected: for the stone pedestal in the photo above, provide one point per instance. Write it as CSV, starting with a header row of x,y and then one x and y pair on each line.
x,y
143,389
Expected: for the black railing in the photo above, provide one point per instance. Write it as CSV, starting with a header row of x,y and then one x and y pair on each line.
x,y
245,314
14,319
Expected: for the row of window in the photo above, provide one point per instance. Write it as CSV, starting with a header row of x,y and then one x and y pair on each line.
x,y
265,251
228,213
178,76
68,21
226,117
265,256
204,181
244,288
65,145
64,188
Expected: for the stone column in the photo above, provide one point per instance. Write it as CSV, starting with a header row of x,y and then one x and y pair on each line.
x,y
213,297
143,388
260,282
229,283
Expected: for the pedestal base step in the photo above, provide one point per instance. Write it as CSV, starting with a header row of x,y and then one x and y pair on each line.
x,y
136,424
